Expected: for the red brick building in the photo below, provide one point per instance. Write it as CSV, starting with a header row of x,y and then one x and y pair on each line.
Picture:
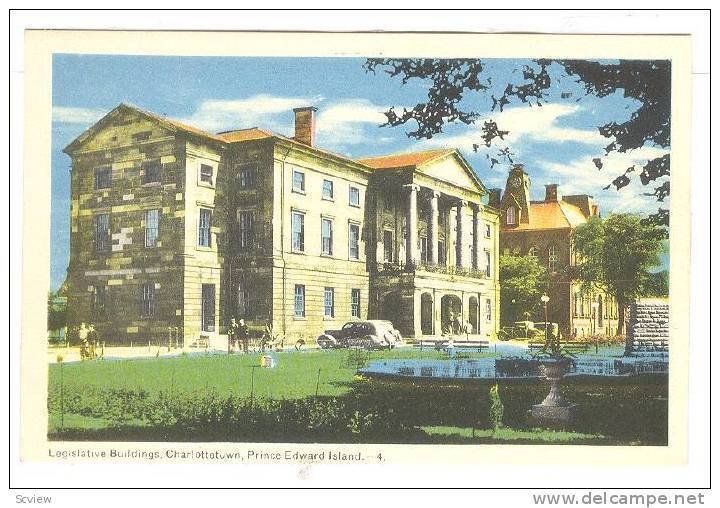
x,y
544,229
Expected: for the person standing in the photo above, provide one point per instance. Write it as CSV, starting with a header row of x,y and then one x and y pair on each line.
x,y
244,335
232,335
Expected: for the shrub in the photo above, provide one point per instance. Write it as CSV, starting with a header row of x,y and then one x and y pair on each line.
x,y
497,409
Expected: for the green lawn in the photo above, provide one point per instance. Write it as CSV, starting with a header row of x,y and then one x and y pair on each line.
x,y
295,376
611,410
507,435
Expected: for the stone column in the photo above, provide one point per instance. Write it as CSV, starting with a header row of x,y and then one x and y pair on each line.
x,y
476,236
433,226
459,241
411,226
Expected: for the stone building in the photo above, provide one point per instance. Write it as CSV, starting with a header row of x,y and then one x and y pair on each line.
x,y
176,228
544,229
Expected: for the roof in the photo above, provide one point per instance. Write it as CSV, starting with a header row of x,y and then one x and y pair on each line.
x,y
169,123
176,124
251,134
551,215
405,160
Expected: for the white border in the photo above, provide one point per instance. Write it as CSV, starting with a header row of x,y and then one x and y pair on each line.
x,y
694,474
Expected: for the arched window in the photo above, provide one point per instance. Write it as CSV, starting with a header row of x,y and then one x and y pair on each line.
x,y
533,252
552,258
510,216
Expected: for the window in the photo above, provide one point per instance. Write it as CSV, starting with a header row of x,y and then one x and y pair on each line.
x,y
298,231
245,229
298,181
354,241
102,232
488,263
488,309
327,191
152,171
152,227
299,300
388,246
441,253
208,308
246,177
510,216
576,305
488,231
204,237
329,302
147,300
243,301
103,178
355,303
206,174
99,301
354,196
423,249
552,258
533,252
326,233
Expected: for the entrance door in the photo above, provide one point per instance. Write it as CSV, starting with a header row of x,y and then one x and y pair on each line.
x,y
208,308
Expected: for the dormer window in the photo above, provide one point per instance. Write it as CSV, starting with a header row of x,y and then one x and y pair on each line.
x,y
510,218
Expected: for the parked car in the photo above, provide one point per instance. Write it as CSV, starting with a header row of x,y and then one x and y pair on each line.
x,y
523,330
374,334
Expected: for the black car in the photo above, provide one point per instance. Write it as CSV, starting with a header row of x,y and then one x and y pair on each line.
x,y
375,334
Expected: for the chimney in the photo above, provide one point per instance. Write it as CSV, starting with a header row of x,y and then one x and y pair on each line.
x,y
551,192
305,125
494,198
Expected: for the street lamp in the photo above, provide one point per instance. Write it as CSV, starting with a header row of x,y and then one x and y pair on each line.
x,y
545,299
594,306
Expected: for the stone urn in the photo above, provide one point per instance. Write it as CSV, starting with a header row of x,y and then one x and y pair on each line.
x,y
554,407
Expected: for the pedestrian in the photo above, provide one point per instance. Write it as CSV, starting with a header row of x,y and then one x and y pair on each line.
x,y
244,336
232,335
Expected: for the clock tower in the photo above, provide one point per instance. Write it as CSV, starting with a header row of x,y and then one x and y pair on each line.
x,y
516,198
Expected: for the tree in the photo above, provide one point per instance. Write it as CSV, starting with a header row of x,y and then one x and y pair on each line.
x,y
57,311
656,284
617,254
522,281
451,82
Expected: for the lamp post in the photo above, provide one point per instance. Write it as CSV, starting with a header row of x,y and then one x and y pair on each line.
x,y
545,299
594,306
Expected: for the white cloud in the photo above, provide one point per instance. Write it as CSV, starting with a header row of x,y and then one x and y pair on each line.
x,y
580,176
526,123
265,111
88,116
350,122
339,124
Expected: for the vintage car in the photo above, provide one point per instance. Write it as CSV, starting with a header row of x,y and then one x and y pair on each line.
x,y
375,334
525,330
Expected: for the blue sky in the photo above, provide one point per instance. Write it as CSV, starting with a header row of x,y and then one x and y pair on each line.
x,y
555,142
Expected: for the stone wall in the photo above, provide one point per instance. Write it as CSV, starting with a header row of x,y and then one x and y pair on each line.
x,y
648,327
126,147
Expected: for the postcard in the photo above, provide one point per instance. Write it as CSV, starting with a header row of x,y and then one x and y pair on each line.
x,y
368,248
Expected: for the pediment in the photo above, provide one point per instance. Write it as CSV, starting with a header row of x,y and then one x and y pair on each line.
x,y
453,169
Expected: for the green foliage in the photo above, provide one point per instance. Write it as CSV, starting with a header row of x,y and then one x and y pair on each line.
x,y
208,414
57,312
656,284
522,281
449,81
617,253
497,409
